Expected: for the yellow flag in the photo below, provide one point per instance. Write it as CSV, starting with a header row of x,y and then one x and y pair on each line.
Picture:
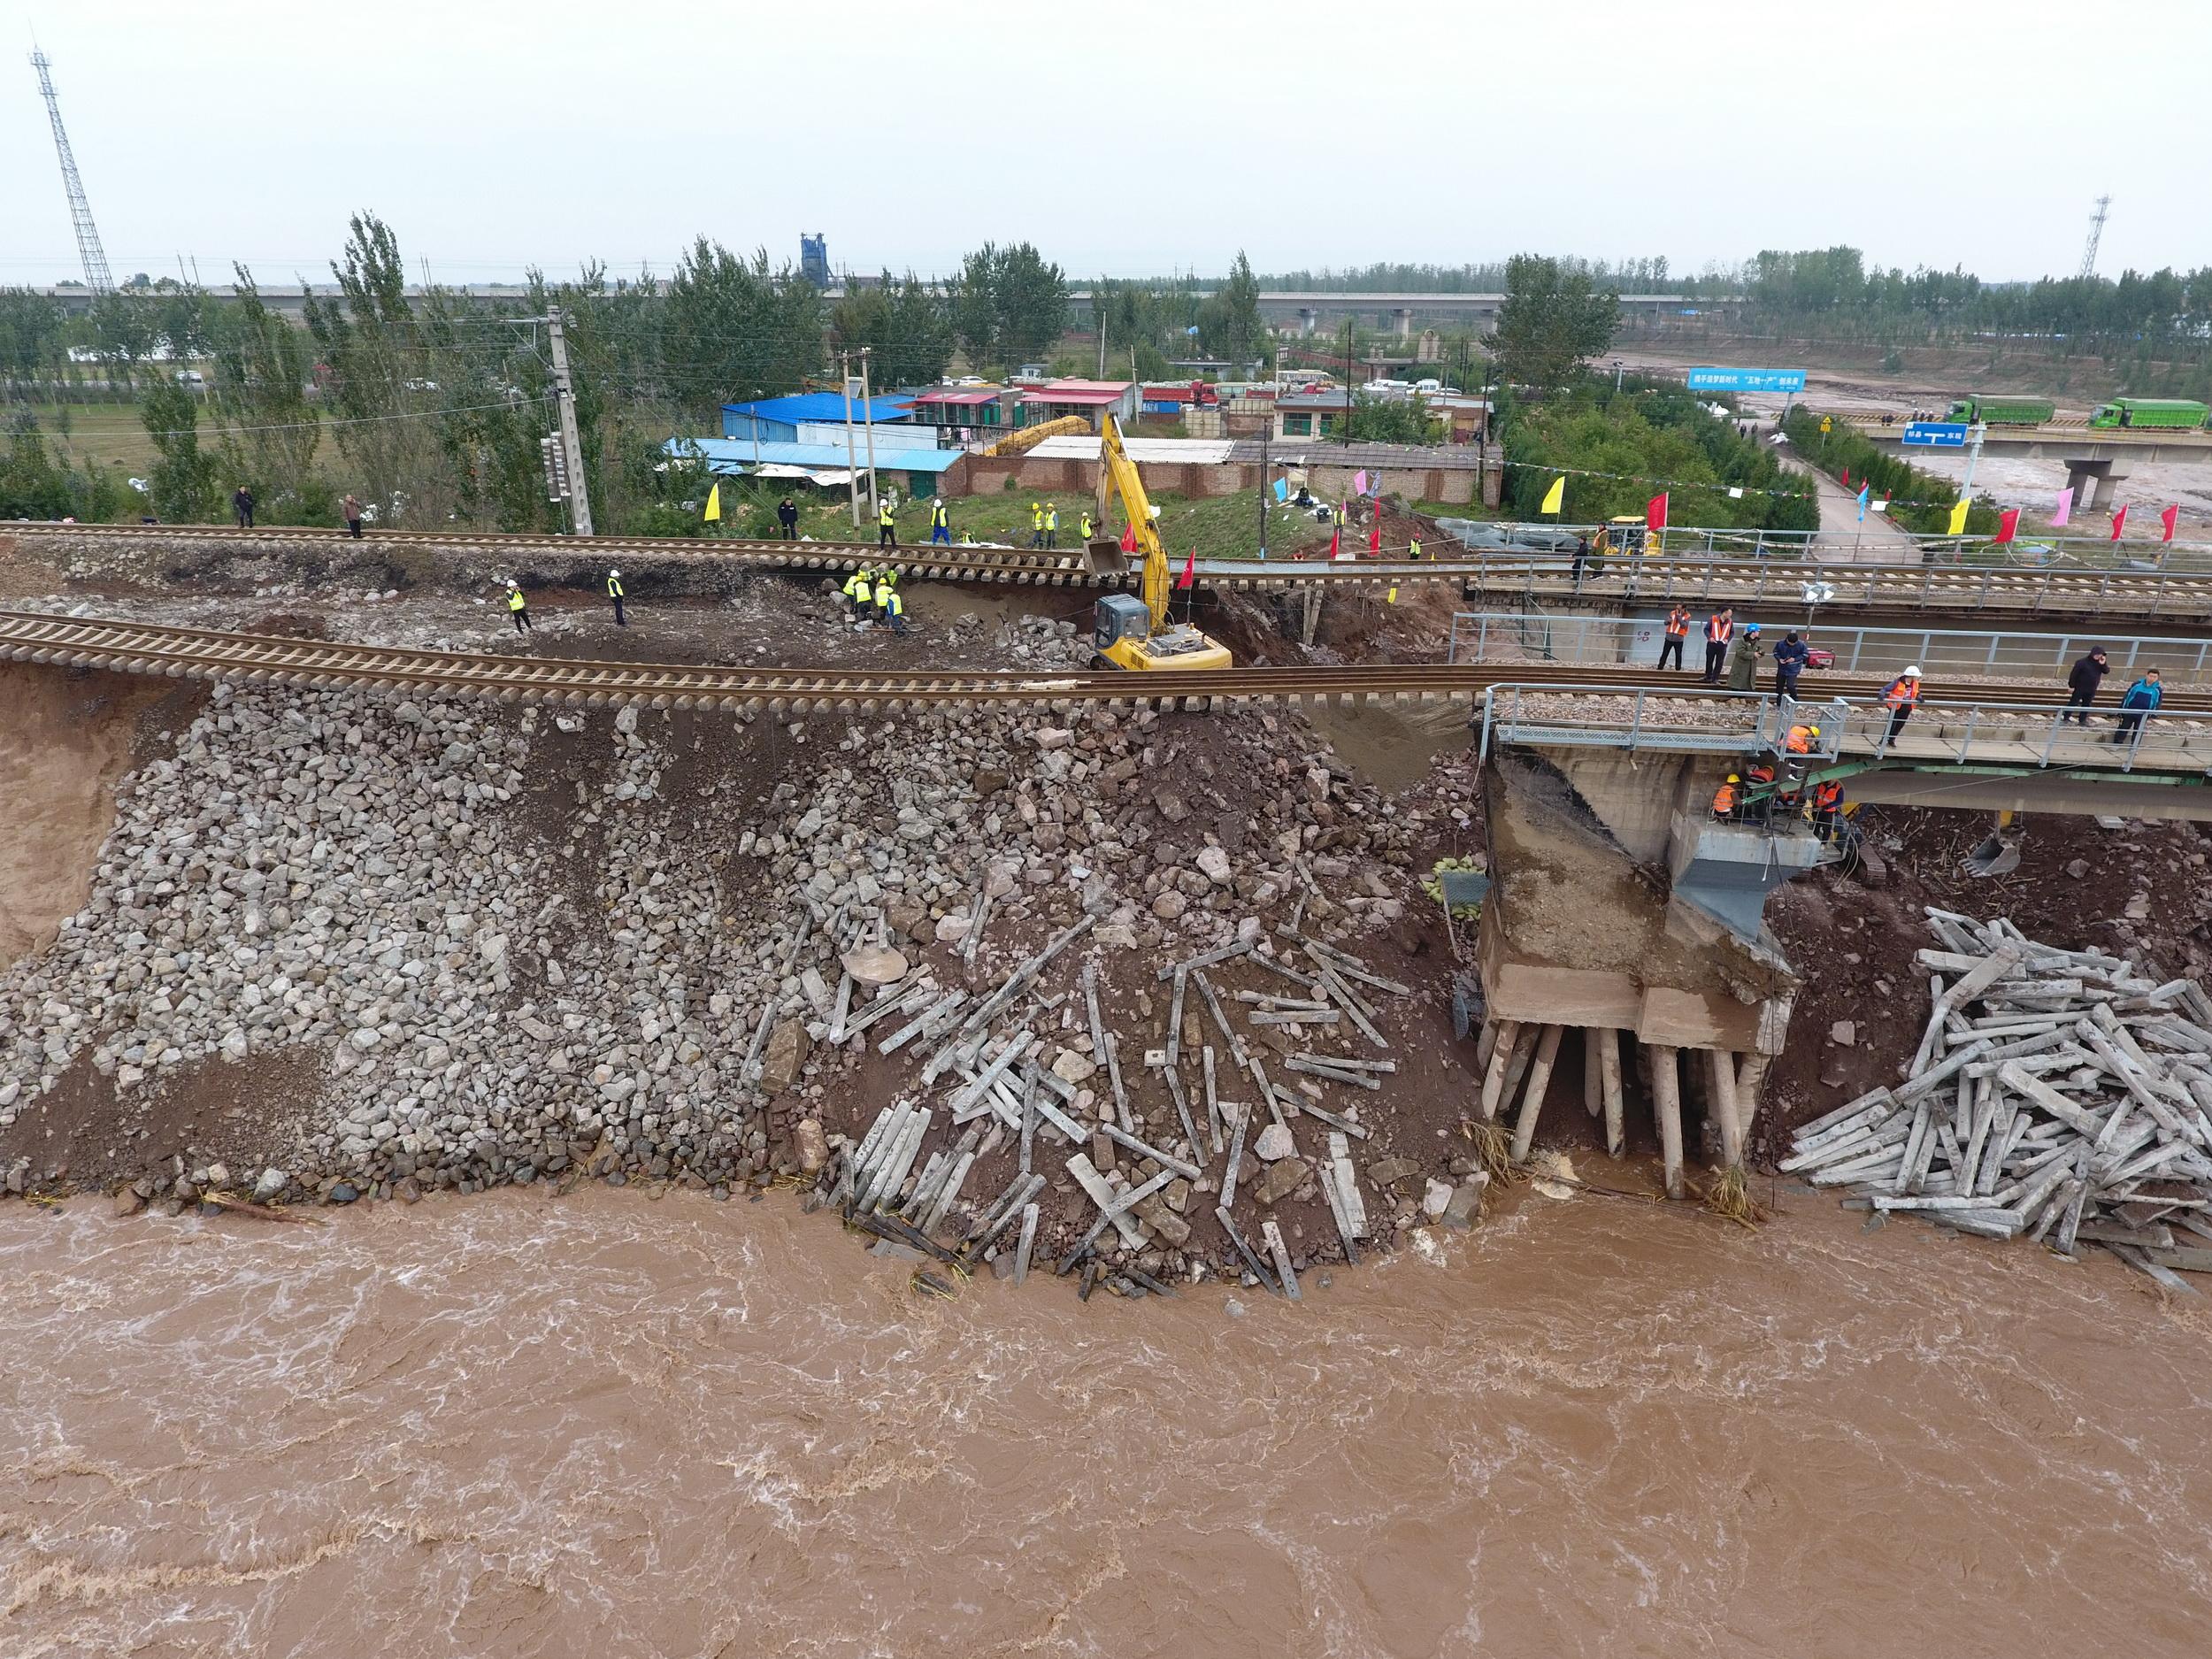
x,y
1958,519
714,504
1556,497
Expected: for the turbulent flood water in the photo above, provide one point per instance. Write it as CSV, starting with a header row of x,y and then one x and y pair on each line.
x,y
605,1425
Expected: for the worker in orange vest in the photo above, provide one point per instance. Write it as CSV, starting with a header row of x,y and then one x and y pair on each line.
x,y
1827,808
1759,793
1801,739
1720,628
1899,699
1678,631
1724,798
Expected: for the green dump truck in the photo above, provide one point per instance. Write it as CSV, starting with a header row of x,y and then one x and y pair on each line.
x,y
2171,413
2000,409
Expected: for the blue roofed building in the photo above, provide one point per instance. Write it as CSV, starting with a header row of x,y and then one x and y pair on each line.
x,y
778,419
913,472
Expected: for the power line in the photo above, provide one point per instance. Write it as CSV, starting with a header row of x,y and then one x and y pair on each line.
x,y
335,420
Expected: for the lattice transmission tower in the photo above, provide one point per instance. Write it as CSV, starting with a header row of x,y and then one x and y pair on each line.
x,y
88,249
2096,235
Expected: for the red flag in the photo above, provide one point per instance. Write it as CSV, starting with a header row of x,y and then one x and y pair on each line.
x,y
1336,540
1655,512
1846,478
2119,523
2008,522
1189,577
1129,540
2168,518
1374,536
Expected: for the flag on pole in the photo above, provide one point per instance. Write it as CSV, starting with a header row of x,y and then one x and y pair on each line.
x,y
1846,478
714,504
2169,518
1374,536
1282,489
1655,512
2008,523
2119,523
1336,540
1189,578
1865,491
1129,539
2065,509
1556,497
1359,482
1958,517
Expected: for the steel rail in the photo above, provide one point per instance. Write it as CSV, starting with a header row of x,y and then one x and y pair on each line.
x,y
178,651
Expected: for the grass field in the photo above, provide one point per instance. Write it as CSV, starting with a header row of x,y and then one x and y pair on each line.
x,y
101,435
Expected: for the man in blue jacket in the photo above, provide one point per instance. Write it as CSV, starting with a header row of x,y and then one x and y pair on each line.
x,y
1789,662
2142,697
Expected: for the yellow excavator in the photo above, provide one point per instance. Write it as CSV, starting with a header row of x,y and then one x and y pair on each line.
x,y
1127,631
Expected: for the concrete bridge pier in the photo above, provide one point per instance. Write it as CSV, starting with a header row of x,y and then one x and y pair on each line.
x,y
1617,906
1309,319
1403,319
2083,473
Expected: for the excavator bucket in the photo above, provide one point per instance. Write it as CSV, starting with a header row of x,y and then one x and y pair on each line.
x,y
1102,556
1996,856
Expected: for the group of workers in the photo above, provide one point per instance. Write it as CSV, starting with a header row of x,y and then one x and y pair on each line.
x,y
519,606
873,594
1044,524
1758,791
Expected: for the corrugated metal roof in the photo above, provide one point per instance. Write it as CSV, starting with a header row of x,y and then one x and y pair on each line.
x,y
963,394
730,454
1160,451
822,406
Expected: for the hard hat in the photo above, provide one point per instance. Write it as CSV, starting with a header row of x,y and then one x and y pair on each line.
x,y
1814,730
1751,627
613,573
1912,673
1734,779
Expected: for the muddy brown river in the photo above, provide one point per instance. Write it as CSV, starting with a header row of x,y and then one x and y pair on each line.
x,y
607,1426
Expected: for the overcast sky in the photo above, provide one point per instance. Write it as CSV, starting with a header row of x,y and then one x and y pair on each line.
x,y
1135,138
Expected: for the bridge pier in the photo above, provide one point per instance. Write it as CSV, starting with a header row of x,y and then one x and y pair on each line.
x,y
2083,473
1618,906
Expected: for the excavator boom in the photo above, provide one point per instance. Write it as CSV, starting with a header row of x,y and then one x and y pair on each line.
x,y
1114,461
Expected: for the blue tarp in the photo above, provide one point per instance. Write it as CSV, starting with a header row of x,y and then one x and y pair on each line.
x,y
789,411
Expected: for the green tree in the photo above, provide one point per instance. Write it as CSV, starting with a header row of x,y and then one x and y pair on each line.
x,y
903,324
262,369
380,383
183,487
1229,325
1008,305
1555,319
731,325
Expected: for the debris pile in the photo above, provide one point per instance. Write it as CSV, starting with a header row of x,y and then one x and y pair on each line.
x,y
2056,1094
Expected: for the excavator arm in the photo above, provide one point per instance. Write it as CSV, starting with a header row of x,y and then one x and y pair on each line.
x,y
1114,463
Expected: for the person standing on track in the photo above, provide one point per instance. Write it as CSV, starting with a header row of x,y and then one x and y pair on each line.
x,y
615,596
241,504
1678,631
787,516
1720,628
352,509
2082,685
1052,525
1036,524
518,608
1789,662
939,522
1743,662
1901,697
2142,697
887,524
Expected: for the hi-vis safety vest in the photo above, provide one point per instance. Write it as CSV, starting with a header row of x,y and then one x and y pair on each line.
x,y
1725,800
1718,629
1086,526
1036,517
614,587
1413,547
1678,624
937,518
1903,693
1828,796
515,600
883,513
891,605
1052,518
857,587
1801,739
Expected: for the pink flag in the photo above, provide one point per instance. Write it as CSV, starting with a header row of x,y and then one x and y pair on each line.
x,y
1359,482
2065,509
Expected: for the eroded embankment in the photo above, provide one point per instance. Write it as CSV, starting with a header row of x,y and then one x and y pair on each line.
x,y
338,944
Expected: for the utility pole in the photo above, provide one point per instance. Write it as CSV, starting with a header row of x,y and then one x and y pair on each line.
x,y
1099,306
868,426
1973,454
1265,433
852,466
572,444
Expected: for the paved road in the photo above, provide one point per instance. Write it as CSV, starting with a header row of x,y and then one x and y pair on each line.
x,y
1843,540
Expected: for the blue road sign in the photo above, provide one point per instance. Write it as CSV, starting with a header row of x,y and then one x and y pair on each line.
x,y
1711,380
1935,434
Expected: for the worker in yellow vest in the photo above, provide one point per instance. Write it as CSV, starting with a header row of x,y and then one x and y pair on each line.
x,y
1413,548
1052,525
887,525
939,523
1087,524
860,589
1036,524
615,596
518,608
889,606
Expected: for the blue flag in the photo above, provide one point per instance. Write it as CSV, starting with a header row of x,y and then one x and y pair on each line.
x,y
1282,489
1863,489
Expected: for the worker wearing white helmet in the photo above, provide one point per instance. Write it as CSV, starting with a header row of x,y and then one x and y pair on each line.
x,y
615,597
518,608
1901,697
939,522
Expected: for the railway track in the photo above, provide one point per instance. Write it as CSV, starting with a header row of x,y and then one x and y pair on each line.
x,y
1774,583
159,648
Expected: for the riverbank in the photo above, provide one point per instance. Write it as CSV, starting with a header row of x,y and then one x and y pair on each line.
x,y
510,1425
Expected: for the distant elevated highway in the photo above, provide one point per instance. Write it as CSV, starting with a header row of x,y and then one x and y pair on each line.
x,y
2069,439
